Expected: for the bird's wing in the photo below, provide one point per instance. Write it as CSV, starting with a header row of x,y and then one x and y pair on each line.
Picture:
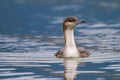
x,y
83,52
59,54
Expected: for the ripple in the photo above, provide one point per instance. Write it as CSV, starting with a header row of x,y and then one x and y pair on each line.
x,y
15,74
7,69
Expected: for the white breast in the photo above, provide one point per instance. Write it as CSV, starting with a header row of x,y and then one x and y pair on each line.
x,y
71,52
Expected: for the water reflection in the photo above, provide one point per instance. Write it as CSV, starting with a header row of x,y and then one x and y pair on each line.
x,y
30,34
37,66
70,68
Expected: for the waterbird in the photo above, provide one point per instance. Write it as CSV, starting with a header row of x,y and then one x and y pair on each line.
x,y
70,49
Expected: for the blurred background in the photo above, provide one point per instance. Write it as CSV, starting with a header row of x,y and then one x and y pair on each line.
x,y
31,32
21,20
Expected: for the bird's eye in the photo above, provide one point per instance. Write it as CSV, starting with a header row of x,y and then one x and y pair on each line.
x,y
72,20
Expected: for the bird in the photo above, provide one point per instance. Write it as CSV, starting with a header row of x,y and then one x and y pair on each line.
x,y
70,49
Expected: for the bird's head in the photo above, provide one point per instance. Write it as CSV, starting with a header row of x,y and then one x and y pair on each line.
x,y
71,22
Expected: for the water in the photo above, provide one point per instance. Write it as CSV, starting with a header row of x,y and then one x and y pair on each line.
x,y
30,34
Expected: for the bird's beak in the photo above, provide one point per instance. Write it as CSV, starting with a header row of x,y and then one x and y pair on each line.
x,y
81,21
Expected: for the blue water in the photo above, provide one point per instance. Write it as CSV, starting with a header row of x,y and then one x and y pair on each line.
x,y
31,32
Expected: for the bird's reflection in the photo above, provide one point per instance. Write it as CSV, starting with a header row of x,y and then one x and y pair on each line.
x,y
70,68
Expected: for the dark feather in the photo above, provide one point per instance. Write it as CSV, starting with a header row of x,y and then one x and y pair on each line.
x,y
83,52
59,54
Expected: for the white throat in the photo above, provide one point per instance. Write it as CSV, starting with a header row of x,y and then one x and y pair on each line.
x,y
70,46
69,38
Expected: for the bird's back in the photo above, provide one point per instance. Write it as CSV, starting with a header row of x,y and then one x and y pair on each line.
x,y
82,52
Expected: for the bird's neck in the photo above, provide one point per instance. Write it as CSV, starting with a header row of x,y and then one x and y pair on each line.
x,y
69,38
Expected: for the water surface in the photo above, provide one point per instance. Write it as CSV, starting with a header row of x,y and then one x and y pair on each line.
x,y
31,32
